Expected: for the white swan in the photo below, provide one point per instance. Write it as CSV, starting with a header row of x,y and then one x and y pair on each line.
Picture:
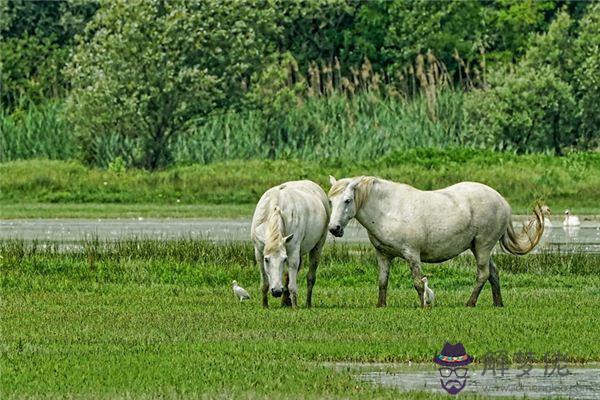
x,y
570,220
428,295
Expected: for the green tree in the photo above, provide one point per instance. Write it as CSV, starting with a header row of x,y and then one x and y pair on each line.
x,y
532,108
554,48
366,38
440,26
36,39
511,23
145,69
314,30
587,76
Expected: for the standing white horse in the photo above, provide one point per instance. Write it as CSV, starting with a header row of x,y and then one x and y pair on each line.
x,y
431,226
290,220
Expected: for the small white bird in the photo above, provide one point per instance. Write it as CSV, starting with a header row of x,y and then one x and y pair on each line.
x,y
240,291
570,220
428,295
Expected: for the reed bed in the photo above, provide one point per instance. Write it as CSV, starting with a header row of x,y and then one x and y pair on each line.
x,y
35,131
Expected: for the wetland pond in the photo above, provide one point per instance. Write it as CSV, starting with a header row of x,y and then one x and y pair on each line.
x,y
585,238
541,381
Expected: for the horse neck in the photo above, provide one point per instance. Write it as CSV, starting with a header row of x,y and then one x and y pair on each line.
x,y
373,208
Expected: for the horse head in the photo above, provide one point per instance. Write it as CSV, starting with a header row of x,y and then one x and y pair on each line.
x,y
346,196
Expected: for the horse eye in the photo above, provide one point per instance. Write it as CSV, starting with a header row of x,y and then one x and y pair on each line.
x,y
285,259
347,201
266,260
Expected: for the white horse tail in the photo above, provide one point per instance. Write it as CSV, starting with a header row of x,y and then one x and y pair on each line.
x,y
523,242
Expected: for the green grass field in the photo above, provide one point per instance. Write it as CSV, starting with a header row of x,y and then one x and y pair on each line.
x,y
116,210
231,189
142,319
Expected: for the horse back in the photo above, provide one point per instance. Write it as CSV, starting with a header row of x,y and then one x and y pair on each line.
x,y
305,210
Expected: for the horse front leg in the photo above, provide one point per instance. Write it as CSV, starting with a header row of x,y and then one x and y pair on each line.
x,y
311,276
264,279
294,265
285,297
384,263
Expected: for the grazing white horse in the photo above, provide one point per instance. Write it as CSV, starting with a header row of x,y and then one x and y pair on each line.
x,y
431,226
290,220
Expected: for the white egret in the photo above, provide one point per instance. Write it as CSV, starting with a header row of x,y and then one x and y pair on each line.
x,y
428,295
546,211
240,291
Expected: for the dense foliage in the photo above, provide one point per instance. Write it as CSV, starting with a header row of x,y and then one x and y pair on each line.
x,y
155,83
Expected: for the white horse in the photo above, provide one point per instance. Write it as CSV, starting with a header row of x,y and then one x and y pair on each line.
x,y
431,226
290,220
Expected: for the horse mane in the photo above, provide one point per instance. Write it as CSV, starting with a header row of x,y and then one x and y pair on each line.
x,y
274,222
361,190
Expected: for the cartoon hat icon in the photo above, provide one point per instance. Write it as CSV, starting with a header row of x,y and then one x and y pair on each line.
x,y
453,355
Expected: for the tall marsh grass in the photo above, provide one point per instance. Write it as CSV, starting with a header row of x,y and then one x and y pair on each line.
x,y
35,131
360,127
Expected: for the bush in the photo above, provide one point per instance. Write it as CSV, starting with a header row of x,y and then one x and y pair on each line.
x,y
532,107
531,110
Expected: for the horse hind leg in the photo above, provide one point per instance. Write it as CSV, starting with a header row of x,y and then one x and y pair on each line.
x,y
483,274
495,282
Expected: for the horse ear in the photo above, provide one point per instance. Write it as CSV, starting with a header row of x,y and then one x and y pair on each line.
x,y
332,180
288,238
355,181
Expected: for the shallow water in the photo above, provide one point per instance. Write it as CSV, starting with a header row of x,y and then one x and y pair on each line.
x,y
578,383
582,239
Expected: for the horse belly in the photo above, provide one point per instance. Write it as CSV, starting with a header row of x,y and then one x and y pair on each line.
x,y
440,253
443,247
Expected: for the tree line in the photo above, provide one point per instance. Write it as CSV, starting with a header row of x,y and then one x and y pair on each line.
x,y
142,81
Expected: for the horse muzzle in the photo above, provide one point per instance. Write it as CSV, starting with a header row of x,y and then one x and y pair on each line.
x,y
336,230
